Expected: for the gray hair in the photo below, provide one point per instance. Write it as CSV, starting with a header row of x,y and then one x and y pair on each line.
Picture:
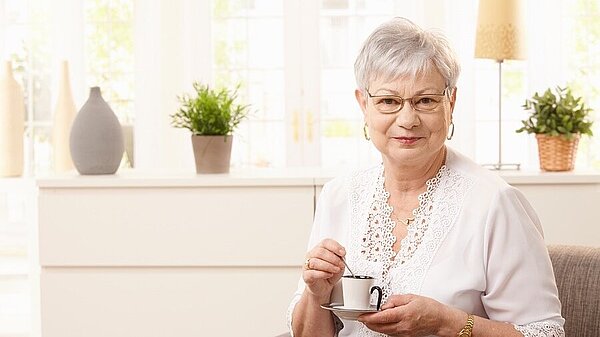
x,y
398,48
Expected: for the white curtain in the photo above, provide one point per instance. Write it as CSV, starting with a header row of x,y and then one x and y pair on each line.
x,y
172,49
547,54
67,17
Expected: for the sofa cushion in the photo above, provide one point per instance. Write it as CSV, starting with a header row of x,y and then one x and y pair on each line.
x,y
577,272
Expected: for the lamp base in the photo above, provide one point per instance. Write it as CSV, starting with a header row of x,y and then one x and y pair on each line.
x,y
502,167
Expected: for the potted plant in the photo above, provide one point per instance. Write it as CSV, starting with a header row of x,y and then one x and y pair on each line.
x,y
211,116
557,120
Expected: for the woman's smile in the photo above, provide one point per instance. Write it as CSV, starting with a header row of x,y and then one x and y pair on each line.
x,y
407,140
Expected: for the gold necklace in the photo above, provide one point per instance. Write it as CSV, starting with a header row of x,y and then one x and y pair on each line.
x,y
405,222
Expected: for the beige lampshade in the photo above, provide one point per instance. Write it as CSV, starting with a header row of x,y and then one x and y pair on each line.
x,y
500,30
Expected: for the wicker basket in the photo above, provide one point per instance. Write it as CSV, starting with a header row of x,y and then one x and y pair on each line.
x,y
557,153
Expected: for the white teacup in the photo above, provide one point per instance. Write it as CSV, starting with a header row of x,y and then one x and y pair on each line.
x,y
357,292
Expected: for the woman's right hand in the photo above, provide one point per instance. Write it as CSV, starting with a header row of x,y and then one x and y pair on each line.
x,y
323,268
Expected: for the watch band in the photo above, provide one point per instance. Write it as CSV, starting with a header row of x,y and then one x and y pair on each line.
x,y
468,329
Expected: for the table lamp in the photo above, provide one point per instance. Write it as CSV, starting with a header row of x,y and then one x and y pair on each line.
x,y
500,36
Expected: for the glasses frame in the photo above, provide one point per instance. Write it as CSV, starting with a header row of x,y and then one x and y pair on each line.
x,y
410,101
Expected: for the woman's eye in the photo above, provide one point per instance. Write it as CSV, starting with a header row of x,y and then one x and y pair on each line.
x,y
389,101
425,100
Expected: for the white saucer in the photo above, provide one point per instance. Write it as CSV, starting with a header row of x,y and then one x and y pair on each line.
x,y
347,313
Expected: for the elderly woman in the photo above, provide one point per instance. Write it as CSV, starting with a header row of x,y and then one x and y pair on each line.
x,y
457,251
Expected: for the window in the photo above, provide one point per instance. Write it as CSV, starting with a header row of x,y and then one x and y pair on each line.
x,y
343,26
248,48
584,67
25,27
109,54
95,36
294,61
570,57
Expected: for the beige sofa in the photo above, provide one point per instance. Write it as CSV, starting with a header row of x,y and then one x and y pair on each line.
x,y
577,272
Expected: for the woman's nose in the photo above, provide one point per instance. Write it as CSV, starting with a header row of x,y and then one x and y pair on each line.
x,y
407,117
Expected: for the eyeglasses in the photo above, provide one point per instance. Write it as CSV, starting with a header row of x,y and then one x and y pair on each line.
x,y
389,104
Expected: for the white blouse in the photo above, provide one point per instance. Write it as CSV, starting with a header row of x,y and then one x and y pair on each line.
x,y
476,244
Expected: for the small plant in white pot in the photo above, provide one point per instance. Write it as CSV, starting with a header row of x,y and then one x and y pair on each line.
x,y
211,116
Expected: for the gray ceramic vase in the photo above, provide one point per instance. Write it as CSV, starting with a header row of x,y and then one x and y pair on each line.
x,y
96,140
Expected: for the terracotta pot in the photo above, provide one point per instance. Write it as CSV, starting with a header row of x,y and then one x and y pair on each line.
x,y
557,153
212,153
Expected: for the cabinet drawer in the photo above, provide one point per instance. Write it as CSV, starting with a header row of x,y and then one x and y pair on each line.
x,y
159,302
174,226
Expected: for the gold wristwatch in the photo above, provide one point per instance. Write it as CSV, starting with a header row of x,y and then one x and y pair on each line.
x,y
468,329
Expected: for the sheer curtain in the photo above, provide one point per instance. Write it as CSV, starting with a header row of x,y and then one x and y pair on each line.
x,y
67,42
37,36
172,49
548,56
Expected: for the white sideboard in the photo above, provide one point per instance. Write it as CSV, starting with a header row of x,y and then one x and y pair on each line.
x,y
569,211
143,256
186,255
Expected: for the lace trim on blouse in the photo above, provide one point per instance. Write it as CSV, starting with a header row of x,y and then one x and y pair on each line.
x,y
373,253
541,329
378,239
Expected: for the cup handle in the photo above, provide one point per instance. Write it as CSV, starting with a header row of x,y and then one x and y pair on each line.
x,y
379,295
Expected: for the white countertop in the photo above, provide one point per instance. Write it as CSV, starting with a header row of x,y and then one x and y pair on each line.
x,y
271,177
539,177
134,178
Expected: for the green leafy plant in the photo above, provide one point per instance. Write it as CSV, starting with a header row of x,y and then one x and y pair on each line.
x,y
209,112
557,114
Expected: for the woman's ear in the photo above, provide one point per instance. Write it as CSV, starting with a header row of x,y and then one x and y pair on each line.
x,y
362,100
453,100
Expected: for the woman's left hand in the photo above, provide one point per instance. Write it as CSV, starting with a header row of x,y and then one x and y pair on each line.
x,y
407,315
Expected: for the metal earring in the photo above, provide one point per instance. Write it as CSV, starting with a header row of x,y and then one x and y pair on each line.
x,y
450,131
365,132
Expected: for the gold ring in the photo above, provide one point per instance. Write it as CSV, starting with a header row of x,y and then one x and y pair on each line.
x,y
307,264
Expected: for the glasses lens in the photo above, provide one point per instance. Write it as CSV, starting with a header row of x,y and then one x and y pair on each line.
x,y
426,102
387,104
